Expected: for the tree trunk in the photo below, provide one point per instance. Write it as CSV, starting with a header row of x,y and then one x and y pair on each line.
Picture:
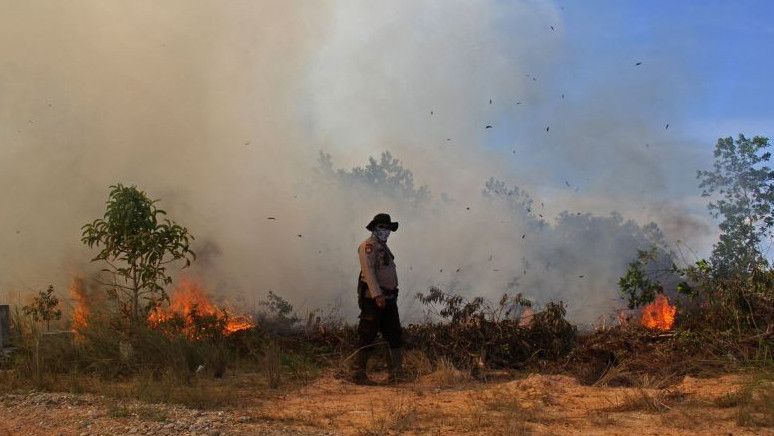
x,y
135,306
135,298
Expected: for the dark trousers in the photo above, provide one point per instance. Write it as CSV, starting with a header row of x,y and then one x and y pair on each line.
x,y
374,320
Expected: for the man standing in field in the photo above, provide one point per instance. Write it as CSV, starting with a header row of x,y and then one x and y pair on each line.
x,y
377,297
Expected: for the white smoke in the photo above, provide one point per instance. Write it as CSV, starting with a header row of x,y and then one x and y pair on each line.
x,y
220,110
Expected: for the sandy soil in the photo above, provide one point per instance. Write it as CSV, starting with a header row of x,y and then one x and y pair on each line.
x,y
535,404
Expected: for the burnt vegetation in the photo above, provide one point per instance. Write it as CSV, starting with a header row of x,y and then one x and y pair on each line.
x,y
477,334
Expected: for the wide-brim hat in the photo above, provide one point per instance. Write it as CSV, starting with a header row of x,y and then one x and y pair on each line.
x,y
382,219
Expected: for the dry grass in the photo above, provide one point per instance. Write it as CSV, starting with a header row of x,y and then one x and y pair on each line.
x,y
755,402
513,407
506,411
149,388
446,375
272,366
687,417
416,364
601,419
641,400
728,400
397,417
509,413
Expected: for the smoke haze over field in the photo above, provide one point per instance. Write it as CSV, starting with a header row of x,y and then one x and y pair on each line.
x,y
220,110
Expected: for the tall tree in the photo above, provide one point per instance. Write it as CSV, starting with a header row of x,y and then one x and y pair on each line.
x,y
387,176
742,188
136,245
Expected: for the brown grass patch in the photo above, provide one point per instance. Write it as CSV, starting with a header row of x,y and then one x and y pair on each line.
x,y
397,417
416,364
447,375
756,402
642,400
601,419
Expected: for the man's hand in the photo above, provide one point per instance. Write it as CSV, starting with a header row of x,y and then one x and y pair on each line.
x,y
380,301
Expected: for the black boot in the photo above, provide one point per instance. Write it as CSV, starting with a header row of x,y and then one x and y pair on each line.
x,y
396,365
359,374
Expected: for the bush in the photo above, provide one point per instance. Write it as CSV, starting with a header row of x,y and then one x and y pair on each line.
x,y
478,333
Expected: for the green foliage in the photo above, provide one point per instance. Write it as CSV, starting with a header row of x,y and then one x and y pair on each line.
x,y
490,332
44,307
639,285
279,306
457,309
136,245
735,288
279,316
742,188
742,302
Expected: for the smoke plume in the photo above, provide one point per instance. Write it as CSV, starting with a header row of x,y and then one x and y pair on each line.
x,y
221,110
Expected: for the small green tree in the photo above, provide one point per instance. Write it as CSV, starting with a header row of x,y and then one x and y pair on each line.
x,y
137,246
648,275
743,190
44,307
279,314
636,286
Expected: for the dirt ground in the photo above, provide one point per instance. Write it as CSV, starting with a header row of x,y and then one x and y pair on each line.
x,y
533,404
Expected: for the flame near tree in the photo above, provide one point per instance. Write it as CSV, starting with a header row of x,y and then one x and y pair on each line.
x,y
190,305
81,308
137,244
659,315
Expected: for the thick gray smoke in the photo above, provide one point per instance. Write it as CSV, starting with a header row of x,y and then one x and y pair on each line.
x,y
220,110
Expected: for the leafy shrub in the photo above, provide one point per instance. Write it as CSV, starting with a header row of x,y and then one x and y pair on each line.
x,y
478,333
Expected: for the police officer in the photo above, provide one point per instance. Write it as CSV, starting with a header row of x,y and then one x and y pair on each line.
x,y
377,297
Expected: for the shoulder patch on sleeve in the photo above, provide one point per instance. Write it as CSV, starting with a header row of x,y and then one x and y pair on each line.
x,y
369,248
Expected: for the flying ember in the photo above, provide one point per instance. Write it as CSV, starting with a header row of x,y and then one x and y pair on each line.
x,y
659,315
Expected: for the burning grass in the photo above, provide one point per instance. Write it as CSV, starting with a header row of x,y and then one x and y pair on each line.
x,y
178,356
191,311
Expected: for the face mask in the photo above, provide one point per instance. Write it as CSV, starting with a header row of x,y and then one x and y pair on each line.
x,y
382,234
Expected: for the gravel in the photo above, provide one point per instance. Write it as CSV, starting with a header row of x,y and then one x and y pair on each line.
x,y
35,412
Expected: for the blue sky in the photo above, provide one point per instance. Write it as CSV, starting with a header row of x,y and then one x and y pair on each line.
x,y
721,52
705,71
728,45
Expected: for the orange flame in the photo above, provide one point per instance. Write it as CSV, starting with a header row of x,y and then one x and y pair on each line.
x,y
659,315
190,297
81,308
